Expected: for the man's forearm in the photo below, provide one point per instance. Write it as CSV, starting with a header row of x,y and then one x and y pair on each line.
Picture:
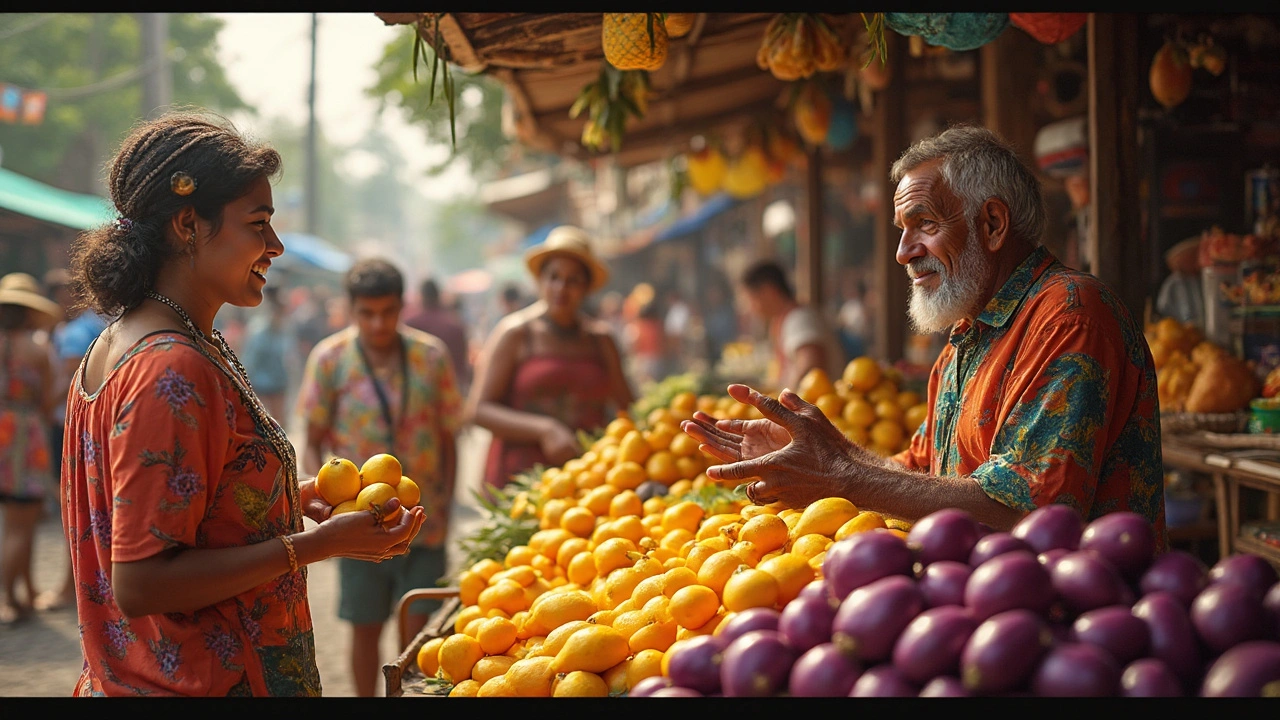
x,y
894,490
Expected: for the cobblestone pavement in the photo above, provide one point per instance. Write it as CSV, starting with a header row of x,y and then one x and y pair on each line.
x,y
40,657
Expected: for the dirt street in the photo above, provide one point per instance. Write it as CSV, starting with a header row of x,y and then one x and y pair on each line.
x,y
40,657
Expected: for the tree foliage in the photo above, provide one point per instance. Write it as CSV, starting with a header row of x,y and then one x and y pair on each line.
x,y
482,145
80,59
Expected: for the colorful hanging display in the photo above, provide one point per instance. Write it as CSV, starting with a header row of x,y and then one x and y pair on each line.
x,y
954,31
1049,28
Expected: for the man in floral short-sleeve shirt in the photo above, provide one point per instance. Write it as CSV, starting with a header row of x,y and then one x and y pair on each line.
x,y
349,376
1046,392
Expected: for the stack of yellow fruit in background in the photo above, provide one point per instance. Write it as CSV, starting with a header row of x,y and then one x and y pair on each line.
x,y
1196,375
617,573
868,404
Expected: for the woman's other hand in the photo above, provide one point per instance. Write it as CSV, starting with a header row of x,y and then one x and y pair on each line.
x,y
360,536
313,506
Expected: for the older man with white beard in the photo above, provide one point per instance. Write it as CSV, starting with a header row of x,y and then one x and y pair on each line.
x,y
1045,392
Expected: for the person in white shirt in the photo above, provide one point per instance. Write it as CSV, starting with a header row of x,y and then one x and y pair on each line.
x,y
800,337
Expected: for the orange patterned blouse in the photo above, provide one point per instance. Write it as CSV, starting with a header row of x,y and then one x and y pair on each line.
x,y
166,455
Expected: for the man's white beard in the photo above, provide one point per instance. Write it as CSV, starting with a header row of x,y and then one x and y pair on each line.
x,y
957,293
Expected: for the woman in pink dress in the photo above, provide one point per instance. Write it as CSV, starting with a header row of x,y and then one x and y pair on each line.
x,y
548,370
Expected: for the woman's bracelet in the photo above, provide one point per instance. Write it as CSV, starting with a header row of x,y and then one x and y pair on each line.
x,y
293,557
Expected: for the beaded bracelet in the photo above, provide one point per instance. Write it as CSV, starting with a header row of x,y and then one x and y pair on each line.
x,y
293,557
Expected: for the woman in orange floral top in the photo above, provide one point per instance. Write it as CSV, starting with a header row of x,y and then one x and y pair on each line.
x,y
179,491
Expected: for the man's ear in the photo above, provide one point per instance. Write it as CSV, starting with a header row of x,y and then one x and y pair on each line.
x,y
993,224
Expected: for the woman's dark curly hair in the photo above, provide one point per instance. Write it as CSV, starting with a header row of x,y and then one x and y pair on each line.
x,y
113,266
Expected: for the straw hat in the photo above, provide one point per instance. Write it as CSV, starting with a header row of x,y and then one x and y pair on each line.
x,y
19,288
569,241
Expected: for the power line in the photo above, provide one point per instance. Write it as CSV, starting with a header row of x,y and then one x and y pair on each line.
x,y
36,21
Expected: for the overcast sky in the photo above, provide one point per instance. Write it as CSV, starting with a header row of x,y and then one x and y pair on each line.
x,y
267,57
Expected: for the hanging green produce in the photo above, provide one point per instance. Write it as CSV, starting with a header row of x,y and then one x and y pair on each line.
x,y
611,100
954,31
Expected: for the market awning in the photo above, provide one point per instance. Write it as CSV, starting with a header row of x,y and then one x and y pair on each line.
x,y
699,218
30,197
301,248
710,80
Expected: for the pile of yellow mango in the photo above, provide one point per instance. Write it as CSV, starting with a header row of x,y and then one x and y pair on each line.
x,y
616,574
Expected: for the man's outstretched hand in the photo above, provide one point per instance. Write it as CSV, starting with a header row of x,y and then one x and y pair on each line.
x,y
795,452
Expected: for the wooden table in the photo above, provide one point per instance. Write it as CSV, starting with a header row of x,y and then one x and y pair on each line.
x,y
1232,469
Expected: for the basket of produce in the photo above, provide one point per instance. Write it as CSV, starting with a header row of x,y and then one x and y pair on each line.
x,y
644,579
1202,387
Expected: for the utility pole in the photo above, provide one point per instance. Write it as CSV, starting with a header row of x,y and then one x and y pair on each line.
x,y
313,200
157,84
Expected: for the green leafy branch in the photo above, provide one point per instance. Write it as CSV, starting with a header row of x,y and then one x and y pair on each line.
x,y
429,25
875,38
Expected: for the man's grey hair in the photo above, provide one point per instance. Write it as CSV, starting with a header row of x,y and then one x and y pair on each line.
x,y
976,165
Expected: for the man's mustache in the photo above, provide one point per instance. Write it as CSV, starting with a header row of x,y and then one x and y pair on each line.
x,y
924,265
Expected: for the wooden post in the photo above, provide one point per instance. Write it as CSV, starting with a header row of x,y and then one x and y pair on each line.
x,y
1114,235
809,244
889,139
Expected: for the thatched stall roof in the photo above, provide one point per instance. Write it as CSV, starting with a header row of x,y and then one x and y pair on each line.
x,y
710,80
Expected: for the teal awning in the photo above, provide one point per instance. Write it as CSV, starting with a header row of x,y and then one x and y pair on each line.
x,y
25,196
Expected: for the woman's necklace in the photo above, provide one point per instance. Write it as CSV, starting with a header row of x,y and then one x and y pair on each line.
x,y
267,427
564,332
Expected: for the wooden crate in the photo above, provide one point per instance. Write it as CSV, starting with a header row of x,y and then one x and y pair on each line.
x,y
403,674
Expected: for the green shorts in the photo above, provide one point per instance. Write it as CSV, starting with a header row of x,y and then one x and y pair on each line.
x,y
368,591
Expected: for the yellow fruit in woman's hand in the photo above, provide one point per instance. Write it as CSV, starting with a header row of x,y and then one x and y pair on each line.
x,y
384,468
344,507
338,481
408,492
372,497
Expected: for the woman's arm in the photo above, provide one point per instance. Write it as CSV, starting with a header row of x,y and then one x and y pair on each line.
x,y
181,580
619,387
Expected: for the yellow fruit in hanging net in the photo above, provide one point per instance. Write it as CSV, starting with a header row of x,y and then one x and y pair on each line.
x,y
338,481
381,468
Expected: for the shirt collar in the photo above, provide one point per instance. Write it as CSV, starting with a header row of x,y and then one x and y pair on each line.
x,y
1019,284
1001,306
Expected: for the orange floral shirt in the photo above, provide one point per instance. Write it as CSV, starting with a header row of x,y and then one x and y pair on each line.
x,y
1049,397
166,455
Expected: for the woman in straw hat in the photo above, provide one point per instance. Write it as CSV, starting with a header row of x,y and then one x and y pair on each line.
x,y
180,491
548,370
26,409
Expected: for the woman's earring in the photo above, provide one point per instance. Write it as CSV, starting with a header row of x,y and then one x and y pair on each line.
x,y
191,249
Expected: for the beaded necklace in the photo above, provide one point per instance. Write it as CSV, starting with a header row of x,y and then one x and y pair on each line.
x,y
266,426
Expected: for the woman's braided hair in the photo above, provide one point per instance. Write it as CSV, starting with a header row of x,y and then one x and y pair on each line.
x,y
114,265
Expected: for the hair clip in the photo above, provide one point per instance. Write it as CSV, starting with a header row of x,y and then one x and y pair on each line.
x,y
124,224
182,183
